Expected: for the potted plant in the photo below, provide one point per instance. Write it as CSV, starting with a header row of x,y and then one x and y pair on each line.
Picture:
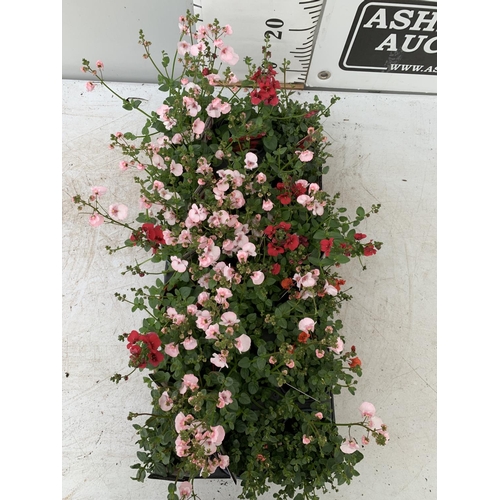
x,y
241,344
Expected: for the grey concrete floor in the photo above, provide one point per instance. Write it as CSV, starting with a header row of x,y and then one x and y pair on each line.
x,y
384,151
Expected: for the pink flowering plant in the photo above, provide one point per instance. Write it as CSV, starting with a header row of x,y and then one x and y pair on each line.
x,y
241,343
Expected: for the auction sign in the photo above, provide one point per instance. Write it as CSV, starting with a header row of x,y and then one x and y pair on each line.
x,y
376,45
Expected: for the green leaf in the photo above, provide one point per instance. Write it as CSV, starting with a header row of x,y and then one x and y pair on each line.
x,y
253,387
270,142
320,235
360,211
185,291
244,363
342,259
244,399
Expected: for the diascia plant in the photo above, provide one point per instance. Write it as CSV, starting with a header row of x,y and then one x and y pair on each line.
x,y
241,345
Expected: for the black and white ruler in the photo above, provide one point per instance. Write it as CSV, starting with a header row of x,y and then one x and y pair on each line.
x,y
291,25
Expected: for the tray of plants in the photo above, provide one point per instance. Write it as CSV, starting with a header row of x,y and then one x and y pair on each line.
x,y
241,344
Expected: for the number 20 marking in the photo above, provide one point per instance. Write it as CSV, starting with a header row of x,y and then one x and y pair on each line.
x,y
274,23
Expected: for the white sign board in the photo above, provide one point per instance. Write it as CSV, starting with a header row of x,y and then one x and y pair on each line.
x,y
359,45
376,46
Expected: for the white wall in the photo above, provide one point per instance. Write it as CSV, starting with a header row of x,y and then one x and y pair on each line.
x,y
109,30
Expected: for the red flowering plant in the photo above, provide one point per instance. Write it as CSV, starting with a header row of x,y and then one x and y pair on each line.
x,y
242,343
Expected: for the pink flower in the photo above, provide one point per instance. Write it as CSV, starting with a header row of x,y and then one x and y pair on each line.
x,y
118,211
198,126
305,439
96,220
166,402
203,297
229,319
313,188
182,422
261,178
197,214
257,277
222,295
178,264
267,205
305,155
364,440
339,346
172,350
218,107
182,48
224,461
228,30
251,161
219,360
330,289
189,343
176,168
212,332
236,199
242,343
189,381
191,105
99,190
319,354
89,86
224,399
99,65
217,435
367,409
272,360
181,447
349,447
375,423
319,415
228,55
185,489
306,325
204,320
290,364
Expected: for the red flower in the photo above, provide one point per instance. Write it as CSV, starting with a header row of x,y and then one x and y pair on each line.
x,y
287,283
267,87
338,283
292,242
353,362
153,233
303,336
285,198
135,350
152,341
326,246
155,358
269,231
298,188
132,338
284,225
275,269
274,250
311,113
369,250
303,241
359,236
